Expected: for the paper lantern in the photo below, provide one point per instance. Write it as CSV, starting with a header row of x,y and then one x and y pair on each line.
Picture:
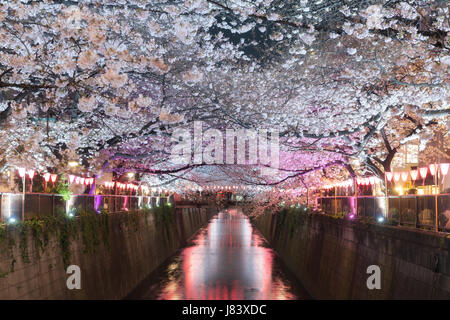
x,y
389,176
423,172
432,169
71,178
54,177
397,176
21,172
77,179
414,174
444,168
81,180
404,176
30,174
46,177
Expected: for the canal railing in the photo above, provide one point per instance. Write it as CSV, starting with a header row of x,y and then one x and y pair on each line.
x,y
417,211
44,204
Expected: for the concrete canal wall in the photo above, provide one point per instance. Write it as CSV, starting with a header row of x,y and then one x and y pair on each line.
x,y
330,257
135,246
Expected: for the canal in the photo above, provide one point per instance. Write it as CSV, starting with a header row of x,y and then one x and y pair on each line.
x,y
226,260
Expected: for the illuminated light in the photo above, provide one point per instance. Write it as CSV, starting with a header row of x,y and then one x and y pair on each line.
x,y
71,178
21,172
397,176
444,168
420,191
399,190
432,169
46,177
86,181
414,174
53,177
351,216
72,163
405,176
12,220
423,172
31,174
77,180
372,180
82,180
366,181
130,175
389,176
380,219
70,215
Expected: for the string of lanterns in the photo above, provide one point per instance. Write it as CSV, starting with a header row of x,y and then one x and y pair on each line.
x,y
414,174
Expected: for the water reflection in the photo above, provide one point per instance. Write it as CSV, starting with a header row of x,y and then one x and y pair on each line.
x,y
226,260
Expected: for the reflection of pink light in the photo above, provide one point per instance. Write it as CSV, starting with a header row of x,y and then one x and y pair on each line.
x,y
125,204
351,216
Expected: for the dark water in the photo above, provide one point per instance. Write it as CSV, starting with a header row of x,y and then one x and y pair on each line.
x,y
226,260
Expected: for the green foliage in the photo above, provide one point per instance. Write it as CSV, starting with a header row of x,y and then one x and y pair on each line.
x,y
292,218
63,189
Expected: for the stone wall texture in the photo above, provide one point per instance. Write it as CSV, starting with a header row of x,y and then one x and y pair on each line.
x,y
113,271
330,257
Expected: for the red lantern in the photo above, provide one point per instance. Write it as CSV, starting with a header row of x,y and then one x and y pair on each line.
x,y
82,180
46,177
54,177
372,180
71,178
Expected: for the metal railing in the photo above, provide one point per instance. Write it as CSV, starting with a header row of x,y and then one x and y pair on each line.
x,y
410,210
43,204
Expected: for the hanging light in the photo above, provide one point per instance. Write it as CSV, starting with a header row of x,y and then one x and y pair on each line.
x,y
414,174
397,176
53,177
423,172
372,180
432,169
71,178
389,176
30,174
21,172
77,180
444,168
46,176
404,176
